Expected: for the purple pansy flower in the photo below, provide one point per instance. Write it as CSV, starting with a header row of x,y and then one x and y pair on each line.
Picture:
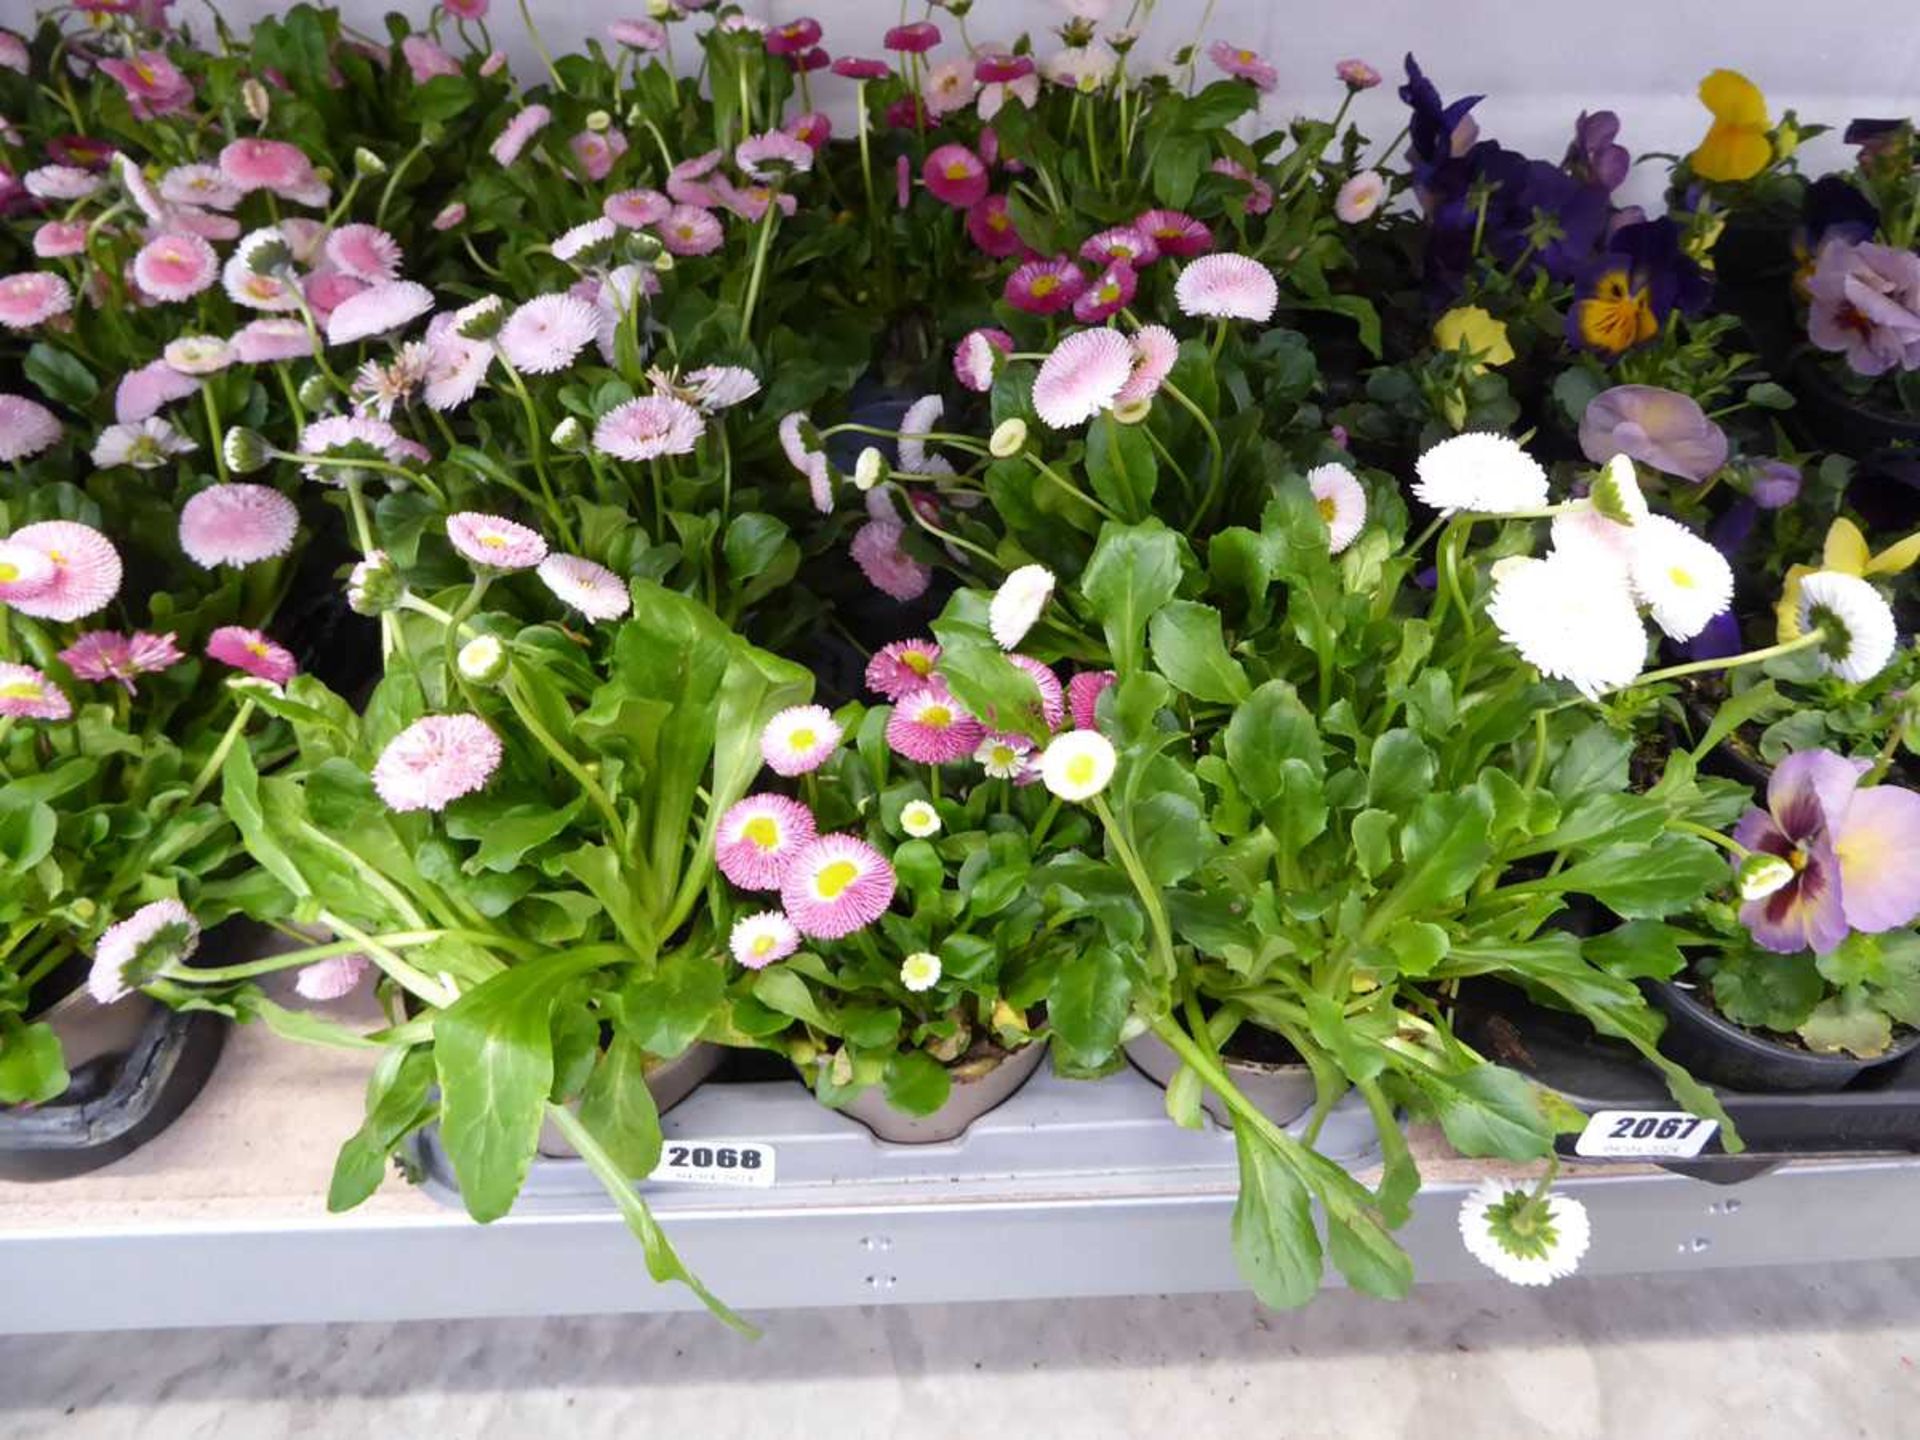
x,y
1657,427
1865,305
1594,156
1851,849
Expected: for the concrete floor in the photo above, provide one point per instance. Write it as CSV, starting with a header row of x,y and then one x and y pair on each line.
x,y
1747,1354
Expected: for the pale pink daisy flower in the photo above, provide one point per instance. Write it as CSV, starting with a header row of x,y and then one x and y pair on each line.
x,y
636,209
1357,74
32,298
929,727
1175,233
26,694
58,239
148,445
262,342
198,354
1083,376
327,289
256,289
686,182
347,437
758,839
1053,697
649,427
237,525
689,230
435,761
456,366
835,886
426,60
595,591
202,185
902,667
877,550
191,220
1244,64
26,428
333,978
949,86
1155,349
773,156
588,243
452,215
543,336
646,36
1342,502
1259,193
86,571
259,164
13,53
915,427
142,393
365,252
1083,696
23,571
139,189
750,202
799,739
1227,287
518,133
102,655
491,542
60,182
721,387
381,389
756,941
1360,197
378,310
808,461
595,152
251,652
127,954
1018,604
977,357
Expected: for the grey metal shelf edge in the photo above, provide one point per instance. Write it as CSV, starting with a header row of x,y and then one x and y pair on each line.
x,y
1072,1189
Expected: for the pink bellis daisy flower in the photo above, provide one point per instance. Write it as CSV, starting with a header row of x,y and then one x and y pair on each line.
x,y
129,953
237,525
102,655
758,839
836,885
27,428
929,727
491,542
27,694
1045,287
435,761
647,428
876,548
175,267
32,298
1227,287
86,571
595,591
902,667
799,740
1083,696
1082,377
253,653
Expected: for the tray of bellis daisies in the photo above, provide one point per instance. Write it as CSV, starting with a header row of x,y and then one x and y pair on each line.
x,y
1221,729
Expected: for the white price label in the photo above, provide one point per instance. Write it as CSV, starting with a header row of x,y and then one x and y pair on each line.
x,y
1645,1134
715,1162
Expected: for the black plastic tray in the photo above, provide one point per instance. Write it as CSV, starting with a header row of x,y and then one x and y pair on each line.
x,y
145,1089
1880,1112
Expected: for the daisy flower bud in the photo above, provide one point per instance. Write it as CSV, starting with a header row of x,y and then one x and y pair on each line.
x,y
482,660
919,819
1761,874
375,587
869,468
368,165
599,121
1009,438
258,103
1131,412
1616,493
315,394
246,450
570,435
920,971
1017,604
1078,764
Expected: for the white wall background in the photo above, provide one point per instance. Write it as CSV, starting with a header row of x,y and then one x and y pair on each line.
x,y
1539,62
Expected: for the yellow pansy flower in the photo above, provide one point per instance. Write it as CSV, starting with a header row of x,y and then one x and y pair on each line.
x,y
1736,146
1469,326
1616,316
1846,550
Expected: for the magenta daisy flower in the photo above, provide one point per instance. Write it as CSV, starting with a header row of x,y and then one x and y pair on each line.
x,y
1053,699
519,133
365,252
26,694
990,226
86,571
799,739
175,267
1001,67
956,176
237,525
915,39
491,542
1357,74
977,356
877,550
853,67
758,839
689,230
1108,295
128,953
636,209
929,727
1175,233
1244,64
1155,350
793,38
1083,376
649,427
756,941
1227,287
253,653
1259,192
1044,287
1083,696
835,886
377,310
142,393
812,130
269,341
103,655
1122,243
333,978
544,335
26,428
595,591
435,761
33,298
902,667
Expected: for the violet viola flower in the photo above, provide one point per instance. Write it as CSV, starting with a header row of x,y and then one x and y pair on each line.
x,y
1628,292
1851,848
1866,306
1776,483
1594,157
1436,132
1661,428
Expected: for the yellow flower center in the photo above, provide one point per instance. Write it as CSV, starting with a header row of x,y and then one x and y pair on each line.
x,y
19,690
257,648
762,944
1328,510
1081,770
1681,578
494,542
1045,285
802,740
764,831
957,171
1246,57
9,572
936,717
918,661
1003,755
145,72
832,882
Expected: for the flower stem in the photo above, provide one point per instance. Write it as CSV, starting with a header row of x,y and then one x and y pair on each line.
x,y
767,224
1217,462
1752,657
540,47
220,752
214,433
